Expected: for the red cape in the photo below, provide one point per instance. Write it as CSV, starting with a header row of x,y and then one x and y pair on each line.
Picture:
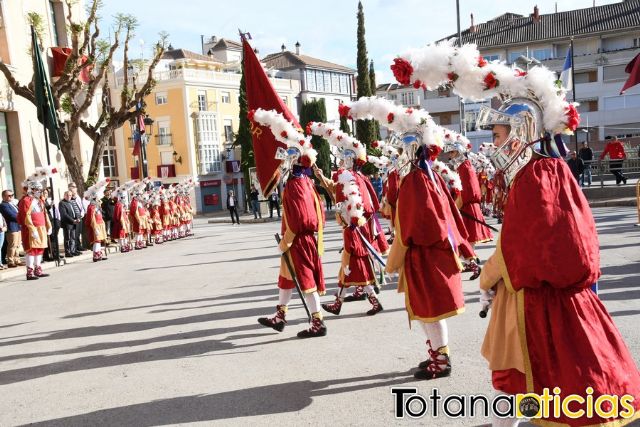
x,y
551,253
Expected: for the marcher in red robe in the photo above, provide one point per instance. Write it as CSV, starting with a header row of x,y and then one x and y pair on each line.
x,y
303,217
548,328
425,253
356,268
120,226
34,222
93,221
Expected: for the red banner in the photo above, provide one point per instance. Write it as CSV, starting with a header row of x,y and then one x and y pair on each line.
x,y
261,94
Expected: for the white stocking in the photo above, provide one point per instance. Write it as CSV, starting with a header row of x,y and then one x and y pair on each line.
x,y
369,290
436,332
31,260
38,260
313,302
284,296
96,247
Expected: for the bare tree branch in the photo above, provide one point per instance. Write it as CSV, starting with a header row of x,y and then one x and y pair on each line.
x,y
22,90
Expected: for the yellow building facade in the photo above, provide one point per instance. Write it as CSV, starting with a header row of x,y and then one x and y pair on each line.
x,y
195,108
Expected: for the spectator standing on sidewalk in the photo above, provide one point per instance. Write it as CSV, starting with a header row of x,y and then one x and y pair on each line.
x,y
616,153
232,205
255,204
68,220
3,229
78,208
586,154
107,204
576,165
9,211
274,203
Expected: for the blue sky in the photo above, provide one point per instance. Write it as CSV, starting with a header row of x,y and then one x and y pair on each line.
x,y
326,29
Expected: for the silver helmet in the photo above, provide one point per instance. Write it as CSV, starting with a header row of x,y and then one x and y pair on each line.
x,y
524,118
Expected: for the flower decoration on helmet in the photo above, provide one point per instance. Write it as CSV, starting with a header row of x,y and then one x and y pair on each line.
x,y
299,149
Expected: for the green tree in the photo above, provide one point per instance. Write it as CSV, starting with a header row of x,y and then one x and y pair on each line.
x,y
344,125
372,80
316,111
243,137
365,129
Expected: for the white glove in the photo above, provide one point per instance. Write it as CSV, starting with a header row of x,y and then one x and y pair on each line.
x,y
35,235
49,231
346,270
486,297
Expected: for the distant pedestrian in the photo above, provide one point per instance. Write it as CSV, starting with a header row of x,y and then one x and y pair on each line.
x,y
232,205
576,165
3,229
78,207
616,153
586,154
255,204
376,181
9,211
274,203
68,220
107,204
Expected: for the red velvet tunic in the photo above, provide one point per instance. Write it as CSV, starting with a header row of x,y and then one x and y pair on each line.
x,y
155,219
373,233
96,229
427,237
393,183
120,226
471,197
302,217
551,255
134,214
357,256
32,219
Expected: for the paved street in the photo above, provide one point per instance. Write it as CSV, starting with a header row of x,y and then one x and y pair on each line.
x,y
169,335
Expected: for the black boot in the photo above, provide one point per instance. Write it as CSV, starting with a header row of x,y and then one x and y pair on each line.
x,y
333,308
317,329
377,307
276,322
357,295
438,365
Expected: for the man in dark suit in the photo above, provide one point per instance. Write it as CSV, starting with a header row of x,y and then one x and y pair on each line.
x,y
232,205
69,220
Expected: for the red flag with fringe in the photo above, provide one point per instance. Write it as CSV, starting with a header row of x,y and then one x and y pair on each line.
x,y
632,68
261,94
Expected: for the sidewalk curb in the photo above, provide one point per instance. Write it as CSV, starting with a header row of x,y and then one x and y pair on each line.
x,y
612,202
20,271
247,220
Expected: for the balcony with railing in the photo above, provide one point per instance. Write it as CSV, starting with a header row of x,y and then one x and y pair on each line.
x,y
163,139
199,76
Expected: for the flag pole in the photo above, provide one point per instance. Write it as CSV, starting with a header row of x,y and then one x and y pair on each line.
x,y
573,89
460,104
45,118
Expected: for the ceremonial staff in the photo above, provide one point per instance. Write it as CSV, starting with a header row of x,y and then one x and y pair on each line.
x,y
293,277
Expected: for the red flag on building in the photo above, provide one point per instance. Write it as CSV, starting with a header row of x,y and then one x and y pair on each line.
x,y
633,69
261,94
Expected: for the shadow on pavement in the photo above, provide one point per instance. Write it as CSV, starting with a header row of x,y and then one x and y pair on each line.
x,y
264,400
199,264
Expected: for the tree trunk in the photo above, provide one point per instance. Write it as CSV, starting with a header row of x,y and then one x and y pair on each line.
x,y
73,163
96,157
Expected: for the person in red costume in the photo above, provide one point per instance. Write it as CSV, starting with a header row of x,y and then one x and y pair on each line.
x,y
615,150
345,187
429,231
93,222
303,217
34,223
468,201
548,328
120,225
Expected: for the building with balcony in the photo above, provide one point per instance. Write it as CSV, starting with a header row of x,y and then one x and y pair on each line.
x,y
195,109
22,142
606,39
317,79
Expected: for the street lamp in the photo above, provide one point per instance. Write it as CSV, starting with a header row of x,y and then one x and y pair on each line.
x,y
144,139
